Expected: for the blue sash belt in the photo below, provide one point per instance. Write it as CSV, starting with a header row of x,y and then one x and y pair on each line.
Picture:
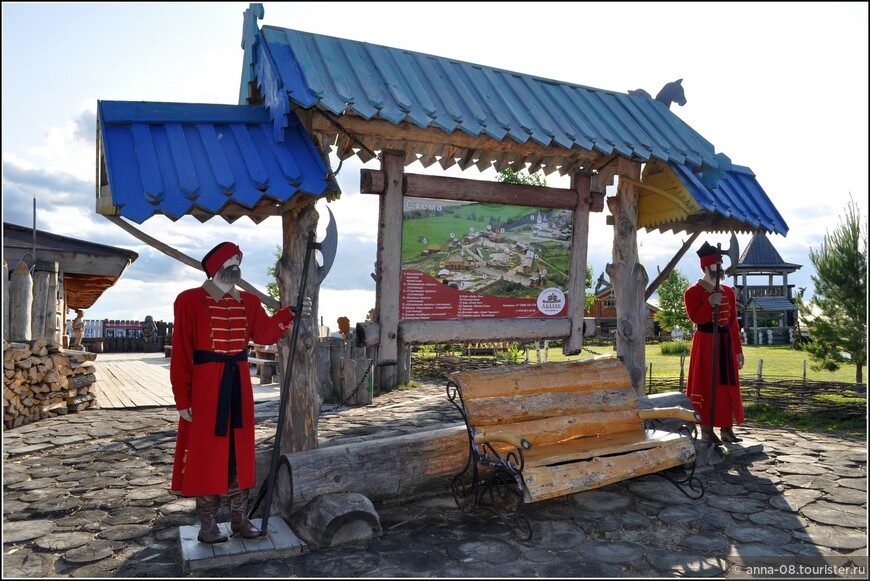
x,y
230,396
726,359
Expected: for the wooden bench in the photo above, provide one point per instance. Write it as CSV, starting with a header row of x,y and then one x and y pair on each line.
x,y
542,431
264,358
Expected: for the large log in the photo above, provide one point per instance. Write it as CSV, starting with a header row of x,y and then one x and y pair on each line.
x,y
380,469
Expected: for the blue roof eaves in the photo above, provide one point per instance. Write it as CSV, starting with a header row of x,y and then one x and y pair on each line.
x,y
176,166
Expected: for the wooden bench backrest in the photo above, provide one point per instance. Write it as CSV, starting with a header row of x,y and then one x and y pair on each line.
x,y
551,402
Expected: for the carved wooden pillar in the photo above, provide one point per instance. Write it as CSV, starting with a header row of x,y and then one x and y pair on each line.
x,y
389,269
577,277
628,277
302,408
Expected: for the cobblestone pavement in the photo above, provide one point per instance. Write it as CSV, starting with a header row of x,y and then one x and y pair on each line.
x,y
86,495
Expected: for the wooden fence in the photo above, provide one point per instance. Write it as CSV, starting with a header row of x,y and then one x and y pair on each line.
x,y
796,395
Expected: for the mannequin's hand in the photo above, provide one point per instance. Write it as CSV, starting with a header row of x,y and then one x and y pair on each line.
x,y
186,414
306,307
740,361
715,299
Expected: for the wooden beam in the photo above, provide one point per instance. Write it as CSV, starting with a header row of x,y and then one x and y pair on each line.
x,y
454,330
368,130
185,259
664,274
486,192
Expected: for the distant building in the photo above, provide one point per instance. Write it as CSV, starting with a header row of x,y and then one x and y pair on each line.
x,y
765,298
603,312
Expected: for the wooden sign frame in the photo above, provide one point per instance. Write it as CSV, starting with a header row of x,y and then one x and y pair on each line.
x,y
392,184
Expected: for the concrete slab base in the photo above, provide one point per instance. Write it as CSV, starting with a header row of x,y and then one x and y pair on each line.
x,y
748,446
196,557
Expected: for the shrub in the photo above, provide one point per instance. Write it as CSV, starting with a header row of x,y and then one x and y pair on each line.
x,y
678,347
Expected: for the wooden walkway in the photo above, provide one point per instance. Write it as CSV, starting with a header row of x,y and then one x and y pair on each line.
x,y
141,380
132,380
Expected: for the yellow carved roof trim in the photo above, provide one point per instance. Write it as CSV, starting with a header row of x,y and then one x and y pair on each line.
x,y
663,198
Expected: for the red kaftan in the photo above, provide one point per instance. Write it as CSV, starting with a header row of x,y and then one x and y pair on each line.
x,y
223,327
729,403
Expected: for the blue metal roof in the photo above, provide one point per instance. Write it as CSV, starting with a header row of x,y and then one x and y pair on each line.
x,y
301,69
760,254
183,158
476,115
734,194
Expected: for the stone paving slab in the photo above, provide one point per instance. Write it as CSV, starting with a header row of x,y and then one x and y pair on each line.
x,y
99,506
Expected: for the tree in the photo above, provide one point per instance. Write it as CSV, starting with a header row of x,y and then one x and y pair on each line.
x,y
672,310
272,286
839,329
509,176
590,296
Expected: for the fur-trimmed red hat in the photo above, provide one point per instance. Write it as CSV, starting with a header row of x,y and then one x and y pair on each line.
x,y
707,254
216,257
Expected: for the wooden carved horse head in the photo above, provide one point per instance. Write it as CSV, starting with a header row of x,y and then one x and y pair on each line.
x,y
672,93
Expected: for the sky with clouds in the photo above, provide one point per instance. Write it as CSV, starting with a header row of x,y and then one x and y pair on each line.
x,y
780,88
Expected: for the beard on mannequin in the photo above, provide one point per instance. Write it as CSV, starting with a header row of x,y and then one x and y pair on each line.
x,y
231,274
712,271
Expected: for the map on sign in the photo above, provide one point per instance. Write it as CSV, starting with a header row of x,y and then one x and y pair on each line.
x,y
473,260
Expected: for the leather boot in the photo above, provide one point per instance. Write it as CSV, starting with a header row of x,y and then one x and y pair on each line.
x,y
238,502
729,436
710,435
206,508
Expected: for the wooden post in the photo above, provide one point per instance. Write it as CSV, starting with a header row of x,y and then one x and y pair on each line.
x,y
389,268
20,303
649,379
577,268
758,379
628,276
5,300
682,371
42,309
302,407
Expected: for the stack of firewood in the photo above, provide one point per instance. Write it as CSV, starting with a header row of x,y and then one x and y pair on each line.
x,y
41,380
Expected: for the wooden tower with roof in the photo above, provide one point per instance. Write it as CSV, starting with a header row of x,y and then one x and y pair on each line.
x,y
764,296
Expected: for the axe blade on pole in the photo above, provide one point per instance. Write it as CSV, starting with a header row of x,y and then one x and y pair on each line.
x,y
328,247
733,254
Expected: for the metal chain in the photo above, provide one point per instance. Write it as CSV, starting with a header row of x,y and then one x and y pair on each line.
x,y
591,351
351,396
331,118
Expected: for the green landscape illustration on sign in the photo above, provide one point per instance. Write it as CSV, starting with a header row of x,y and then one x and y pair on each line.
x,y
489,249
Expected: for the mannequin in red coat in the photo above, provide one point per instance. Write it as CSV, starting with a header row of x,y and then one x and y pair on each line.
x,y
700,300
211,382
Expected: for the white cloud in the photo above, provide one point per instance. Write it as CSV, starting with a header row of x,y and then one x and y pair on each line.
x,y
787,97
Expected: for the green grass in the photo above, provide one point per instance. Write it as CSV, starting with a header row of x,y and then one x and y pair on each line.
x,y
819,421
779,361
